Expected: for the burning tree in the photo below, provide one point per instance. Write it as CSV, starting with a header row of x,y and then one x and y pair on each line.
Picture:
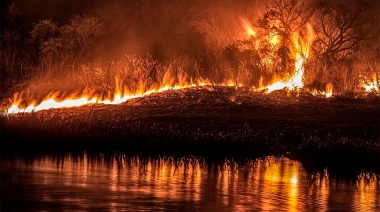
x,y
278,47
284,17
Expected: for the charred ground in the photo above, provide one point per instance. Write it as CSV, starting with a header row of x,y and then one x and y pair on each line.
x,y
341,133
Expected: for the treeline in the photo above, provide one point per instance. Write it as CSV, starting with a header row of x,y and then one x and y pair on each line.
x,y
141,41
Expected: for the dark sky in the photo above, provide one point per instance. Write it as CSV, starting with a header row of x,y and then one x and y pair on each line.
x,y
62,10
35,10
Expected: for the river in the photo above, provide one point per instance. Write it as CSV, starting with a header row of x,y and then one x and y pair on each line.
x,y
118,182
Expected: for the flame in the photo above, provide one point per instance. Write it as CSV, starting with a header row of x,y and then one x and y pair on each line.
x,y
327,93
51,101
300,52
329,89
248,27
371,86
273,39
120,95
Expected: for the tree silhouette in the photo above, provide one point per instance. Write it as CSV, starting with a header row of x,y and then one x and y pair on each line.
x,y
339,29
68,43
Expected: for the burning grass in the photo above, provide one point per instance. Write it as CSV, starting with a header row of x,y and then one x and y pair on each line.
x,y
233,123
264,62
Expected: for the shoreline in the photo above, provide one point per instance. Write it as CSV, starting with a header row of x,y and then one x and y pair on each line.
x,y
340,132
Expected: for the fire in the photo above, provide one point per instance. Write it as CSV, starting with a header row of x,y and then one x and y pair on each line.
x,y
248,27
371,86
51,103
329,89
121,95
327,93
273,39
300,52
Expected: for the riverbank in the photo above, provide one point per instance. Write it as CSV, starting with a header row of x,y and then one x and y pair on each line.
x,y
341,133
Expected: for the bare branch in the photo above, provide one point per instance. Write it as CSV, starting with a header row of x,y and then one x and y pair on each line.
x,y
339,28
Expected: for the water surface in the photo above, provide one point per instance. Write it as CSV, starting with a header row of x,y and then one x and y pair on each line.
x,y
133,183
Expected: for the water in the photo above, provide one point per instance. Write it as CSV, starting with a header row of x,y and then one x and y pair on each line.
x,y
122,183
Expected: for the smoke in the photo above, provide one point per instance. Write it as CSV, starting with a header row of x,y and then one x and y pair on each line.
x,y
164,28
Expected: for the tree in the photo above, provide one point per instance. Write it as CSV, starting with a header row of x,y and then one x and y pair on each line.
x,y
44,30
12,11
81,33
284,17
10,41
340,28
66,44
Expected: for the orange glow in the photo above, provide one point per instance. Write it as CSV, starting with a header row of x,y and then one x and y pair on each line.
x,y
327,93
371,86
273,39
300,50
120,95
300,53
51,102
285,173
329,89
270,184
248,27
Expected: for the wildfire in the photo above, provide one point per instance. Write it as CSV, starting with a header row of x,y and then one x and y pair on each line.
x,y
371,86
121,95
300,52
53,101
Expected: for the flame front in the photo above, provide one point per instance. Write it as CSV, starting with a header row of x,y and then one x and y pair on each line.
x,y
300,52
121,95
299,49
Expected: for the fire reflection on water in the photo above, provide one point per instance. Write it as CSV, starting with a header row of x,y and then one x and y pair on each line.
x,y
77,182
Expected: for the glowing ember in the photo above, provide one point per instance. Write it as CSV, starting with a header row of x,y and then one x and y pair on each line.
x,y
371,86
